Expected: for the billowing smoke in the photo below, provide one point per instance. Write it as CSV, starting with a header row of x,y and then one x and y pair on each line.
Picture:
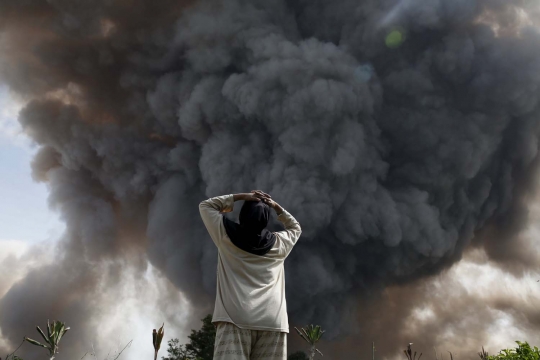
x,y
398,133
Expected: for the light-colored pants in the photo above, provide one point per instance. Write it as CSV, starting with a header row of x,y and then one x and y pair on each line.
x,y
233,343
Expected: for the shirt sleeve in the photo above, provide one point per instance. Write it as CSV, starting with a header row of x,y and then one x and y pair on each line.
x,y
290,235
211,210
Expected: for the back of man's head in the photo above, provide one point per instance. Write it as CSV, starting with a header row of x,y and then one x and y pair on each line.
x,y
254,216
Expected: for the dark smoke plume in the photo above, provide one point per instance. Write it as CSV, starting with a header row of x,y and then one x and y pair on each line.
x,y
391,158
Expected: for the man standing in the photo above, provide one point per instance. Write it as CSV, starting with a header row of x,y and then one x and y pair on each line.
x,y
250,311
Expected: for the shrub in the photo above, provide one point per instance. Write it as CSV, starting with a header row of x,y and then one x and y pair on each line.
x,y
522,352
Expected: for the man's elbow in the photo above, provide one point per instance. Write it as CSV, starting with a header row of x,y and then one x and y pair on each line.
x,y
203,207
203,204
207,207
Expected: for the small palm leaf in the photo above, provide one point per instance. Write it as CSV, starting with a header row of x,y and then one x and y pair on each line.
x,y
37,343
46,338
306,334
61,332
64,333
159,337
301,334
320,332
57,331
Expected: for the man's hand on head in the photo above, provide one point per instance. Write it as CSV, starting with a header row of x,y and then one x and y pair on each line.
x,y
268,200
261,194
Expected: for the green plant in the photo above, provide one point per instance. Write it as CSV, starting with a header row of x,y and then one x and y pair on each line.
x,y
157,337
200,347
201,342
523,352
483,354
55,332
409,354
311,334
176,351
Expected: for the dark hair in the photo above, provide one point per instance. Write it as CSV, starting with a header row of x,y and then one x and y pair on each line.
x,y
254,216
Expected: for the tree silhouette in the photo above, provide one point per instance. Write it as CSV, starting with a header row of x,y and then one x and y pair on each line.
x,y
200,346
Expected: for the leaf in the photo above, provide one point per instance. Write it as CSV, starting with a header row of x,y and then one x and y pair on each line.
x,y
160,334
161,330
64,330
37,343
53,331
308,337
47,340
304,337
301,335
320,333
57,331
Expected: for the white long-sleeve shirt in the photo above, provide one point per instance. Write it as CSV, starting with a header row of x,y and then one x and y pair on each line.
x,y
250,288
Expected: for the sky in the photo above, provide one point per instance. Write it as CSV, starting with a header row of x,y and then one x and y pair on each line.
x,y
24,213
29,229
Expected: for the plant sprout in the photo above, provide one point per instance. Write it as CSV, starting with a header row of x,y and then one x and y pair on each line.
x,y
311,334
483,354
55,332
156,339
409,354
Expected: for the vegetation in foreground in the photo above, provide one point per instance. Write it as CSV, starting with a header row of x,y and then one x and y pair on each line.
x,y
55,332
201,345
157,337
311,334
524,351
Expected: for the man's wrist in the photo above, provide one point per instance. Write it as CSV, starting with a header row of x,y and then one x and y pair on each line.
x,y
239,197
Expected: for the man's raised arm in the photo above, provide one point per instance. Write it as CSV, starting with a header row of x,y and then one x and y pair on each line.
x,y
211,210
292,232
